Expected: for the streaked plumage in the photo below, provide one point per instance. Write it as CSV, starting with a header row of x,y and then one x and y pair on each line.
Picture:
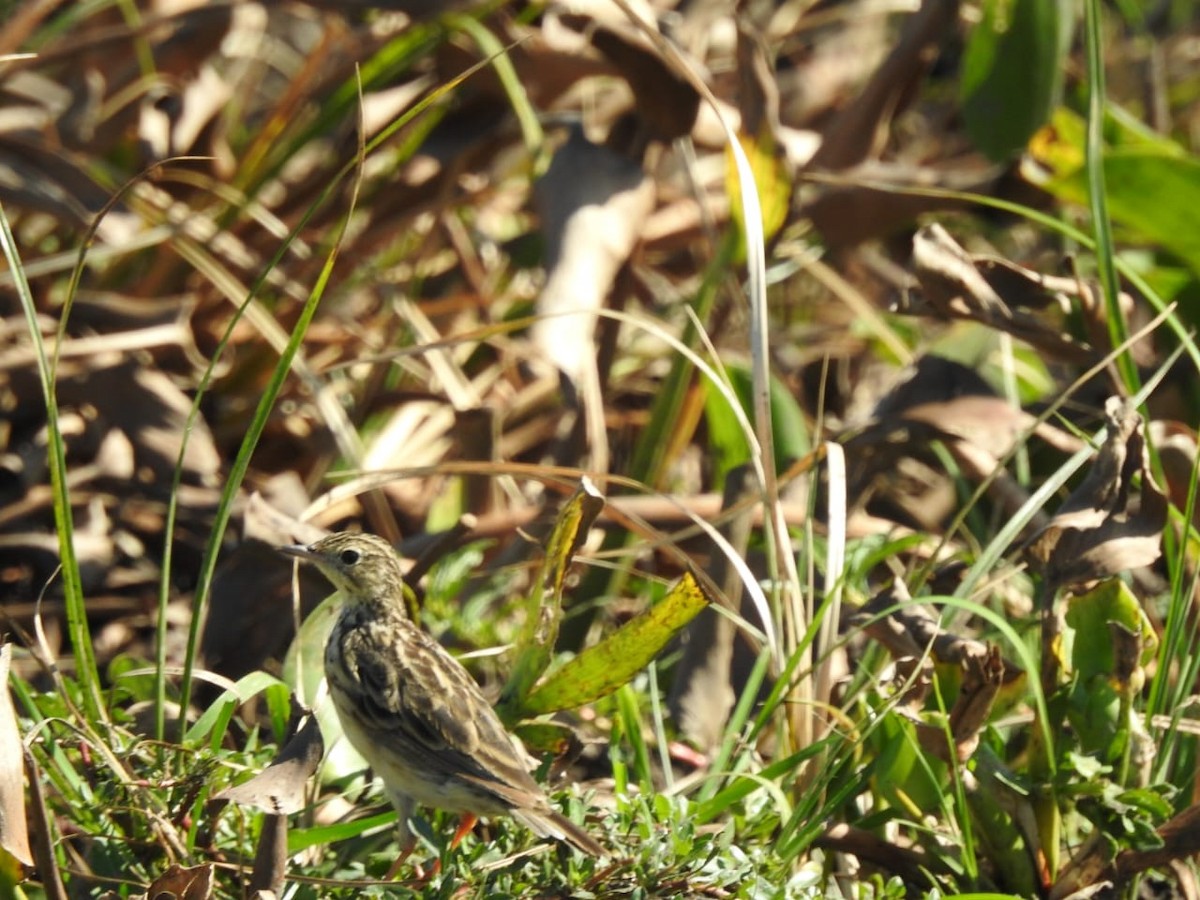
x,y
412,710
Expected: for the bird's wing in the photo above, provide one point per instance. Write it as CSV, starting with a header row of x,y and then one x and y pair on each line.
x,y
417,696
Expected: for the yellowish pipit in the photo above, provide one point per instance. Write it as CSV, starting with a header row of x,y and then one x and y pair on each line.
x,y
412,710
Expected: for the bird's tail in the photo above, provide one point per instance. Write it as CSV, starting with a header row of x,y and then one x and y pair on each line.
x,y
552,824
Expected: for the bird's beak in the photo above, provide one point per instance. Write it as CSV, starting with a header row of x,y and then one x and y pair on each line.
x,y
299,551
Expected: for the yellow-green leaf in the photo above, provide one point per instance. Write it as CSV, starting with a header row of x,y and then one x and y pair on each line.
x,y
772,179
544,603
603,668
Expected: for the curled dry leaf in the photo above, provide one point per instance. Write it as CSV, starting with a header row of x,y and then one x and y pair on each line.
x,y
1105,526
14,836
909,633
279,789
195,883
666,103
958,285
947,402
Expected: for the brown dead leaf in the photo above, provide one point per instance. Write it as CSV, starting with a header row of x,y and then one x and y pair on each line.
x,y
857,131
279,790
947,402
270,857
982,678
178,883
14,836
666,103
954,286
593,203
1104,527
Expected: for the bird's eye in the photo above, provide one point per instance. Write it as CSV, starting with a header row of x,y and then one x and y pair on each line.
x,y
350,557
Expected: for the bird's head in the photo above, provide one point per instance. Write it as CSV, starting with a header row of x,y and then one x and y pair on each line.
x,y
362,566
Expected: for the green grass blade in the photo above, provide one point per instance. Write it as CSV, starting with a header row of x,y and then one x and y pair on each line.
x,y
76,609
1098,196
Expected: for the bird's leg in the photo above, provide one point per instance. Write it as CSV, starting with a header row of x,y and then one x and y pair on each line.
x,y
465,824
404,835
394,871
464,828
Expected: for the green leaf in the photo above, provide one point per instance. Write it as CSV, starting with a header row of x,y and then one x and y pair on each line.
x,y
1012,71
601,669
300,839
543,606
728,439
304,662
303,670
1108,639
223,707
1090,638
1152,183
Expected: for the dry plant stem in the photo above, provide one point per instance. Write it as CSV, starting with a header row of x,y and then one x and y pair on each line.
x,y
701,695
909,864
1045,802
43,843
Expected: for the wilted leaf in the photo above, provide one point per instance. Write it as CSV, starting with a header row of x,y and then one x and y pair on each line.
x,y
601,669
1104,528
971,671
554,738
1109,640
195,883
279,789
544,604
955,284
14,838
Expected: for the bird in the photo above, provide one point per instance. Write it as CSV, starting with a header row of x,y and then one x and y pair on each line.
x,y
413,712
